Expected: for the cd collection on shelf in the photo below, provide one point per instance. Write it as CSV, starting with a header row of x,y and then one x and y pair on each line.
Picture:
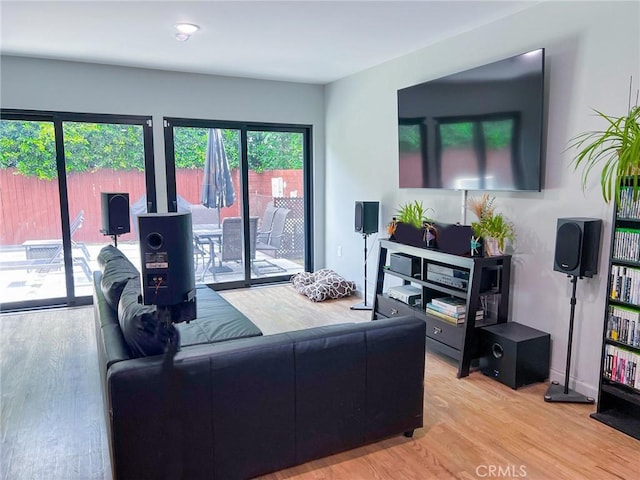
x,y
621,365
618,402
628,207
623,325
625,284
626,244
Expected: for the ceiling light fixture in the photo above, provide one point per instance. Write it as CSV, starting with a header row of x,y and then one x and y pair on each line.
x,y
185,30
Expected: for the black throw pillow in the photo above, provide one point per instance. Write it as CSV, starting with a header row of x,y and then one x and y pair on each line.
x,y
116,270
144,333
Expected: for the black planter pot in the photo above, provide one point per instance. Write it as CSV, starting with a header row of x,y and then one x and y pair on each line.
x,y
409,235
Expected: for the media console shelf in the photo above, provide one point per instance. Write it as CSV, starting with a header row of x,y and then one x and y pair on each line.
x,y
486,289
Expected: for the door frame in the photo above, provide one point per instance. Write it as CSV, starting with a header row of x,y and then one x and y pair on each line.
x,y
58,118
307,135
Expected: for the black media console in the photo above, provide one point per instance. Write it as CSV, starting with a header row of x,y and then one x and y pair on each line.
x,y
482,284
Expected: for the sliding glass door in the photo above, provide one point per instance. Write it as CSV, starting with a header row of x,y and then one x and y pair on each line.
x,y
246,188
53,169
29,234
276,197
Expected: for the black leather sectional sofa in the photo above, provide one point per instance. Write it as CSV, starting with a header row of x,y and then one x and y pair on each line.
x,y
228,407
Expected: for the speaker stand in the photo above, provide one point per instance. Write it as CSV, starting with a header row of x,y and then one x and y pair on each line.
x,y
556,392
363,305
112,235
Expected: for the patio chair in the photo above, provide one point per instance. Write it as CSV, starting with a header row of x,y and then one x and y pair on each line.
x,y
45,255
274,241
272,244
52,249
266,223
231,248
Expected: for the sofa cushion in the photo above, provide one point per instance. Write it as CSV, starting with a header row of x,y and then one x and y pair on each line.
x,y
323,284
216,321
143,331
117,270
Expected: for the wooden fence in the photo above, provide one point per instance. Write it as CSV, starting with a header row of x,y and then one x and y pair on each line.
x,y
30,207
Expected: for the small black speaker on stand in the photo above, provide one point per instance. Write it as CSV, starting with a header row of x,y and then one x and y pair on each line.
x,y
366,223
576,254
115,214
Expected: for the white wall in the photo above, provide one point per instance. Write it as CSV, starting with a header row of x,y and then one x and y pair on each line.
x,y
592,48
27,83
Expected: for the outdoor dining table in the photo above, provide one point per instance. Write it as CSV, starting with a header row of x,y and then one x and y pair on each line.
x,y
209,235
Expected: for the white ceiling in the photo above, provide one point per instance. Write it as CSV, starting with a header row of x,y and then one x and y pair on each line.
x,y
299,41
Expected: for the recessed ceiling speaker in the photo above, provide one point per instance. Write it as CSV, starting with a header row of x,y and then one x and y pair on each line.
x,y
366,217
577,246
115,213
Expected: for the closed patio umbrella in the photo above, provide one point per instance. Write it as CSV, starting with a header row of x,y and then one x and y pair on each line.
x,y
217,187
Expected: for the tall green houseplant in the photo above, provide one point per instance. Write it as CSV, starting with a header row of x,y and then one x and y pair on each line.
x,y
413,213
616,150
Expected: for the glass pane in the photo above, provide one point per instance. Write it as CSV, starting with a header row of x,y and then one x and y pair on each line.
x,y
208,185
31,256
276,202
101,158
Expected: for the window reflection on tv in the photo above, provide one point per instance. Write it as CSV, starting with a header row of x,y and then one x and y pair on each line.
x,y
476,130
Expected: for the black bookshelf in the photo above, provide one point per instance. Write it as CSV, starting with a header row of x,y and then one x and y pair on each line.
x,y
487,277
619,387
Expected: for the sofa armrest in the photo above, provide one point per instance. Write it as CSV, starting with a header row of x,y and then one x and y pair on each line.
x,y
395,376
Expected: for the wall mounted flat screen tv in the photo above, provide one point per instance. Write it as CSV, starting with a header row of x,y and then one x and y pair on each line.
x,y
481,129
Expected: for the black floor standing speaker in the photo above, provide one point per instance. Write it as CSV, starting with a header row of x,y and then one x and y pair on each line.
x,y
514,354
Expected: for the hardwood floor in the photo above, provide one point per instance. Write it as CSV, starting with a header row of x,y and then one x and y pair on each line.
x,y
52,425
51,422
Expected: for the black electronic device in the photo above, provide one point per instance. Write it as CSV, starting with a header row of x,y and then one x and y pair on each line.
x,y
166,254
448,280
577,246
366,217
514,354
447,270
405,264
480,129
115,213
454,238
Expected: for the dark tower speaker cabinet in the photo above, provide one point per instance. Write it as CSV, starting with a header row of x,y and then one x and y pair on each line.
x,y
577,246
166,248
115,213
366,217
514,354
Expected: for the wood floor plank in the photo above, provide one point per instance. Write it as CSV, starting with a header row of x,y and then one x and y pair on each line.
x,y
50,395
52,425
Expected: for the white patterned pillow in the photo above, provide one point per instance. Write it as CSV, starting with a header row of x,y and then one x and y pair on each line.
x,y
321,285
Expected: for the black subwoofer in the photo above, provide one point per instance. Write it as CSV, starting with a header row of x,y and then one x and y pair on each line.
x,y
115,213
577,246
366,217
514,354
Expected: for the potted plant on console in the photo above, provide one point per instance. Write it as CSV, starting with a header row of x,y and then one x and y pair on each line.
x,y
492,228
412,226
